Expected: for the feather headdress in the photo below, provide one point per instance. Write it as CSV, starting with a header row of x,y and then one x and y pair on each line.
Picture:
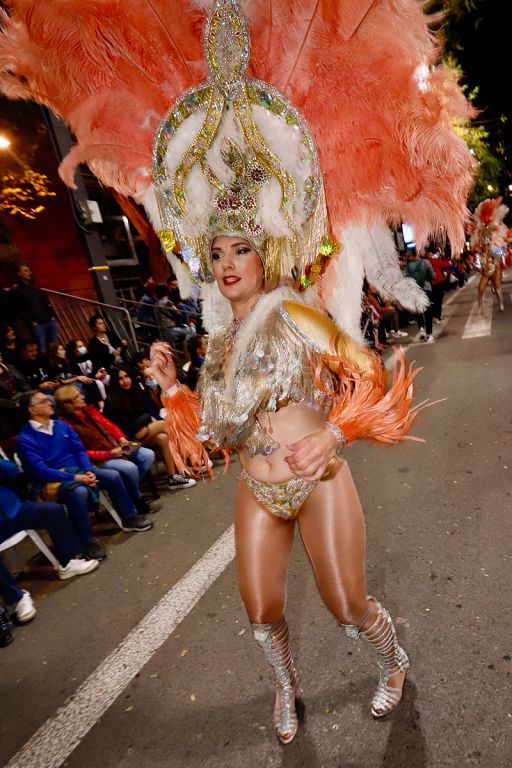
x,y
489,229
363,74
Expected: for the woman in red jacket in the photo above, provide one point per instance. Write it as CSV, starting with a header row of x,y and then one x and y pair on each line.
x,y
105,443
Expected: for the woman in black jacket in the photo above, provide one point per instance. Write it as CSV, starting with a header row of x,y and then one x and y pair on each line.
x,y
105,347
128,406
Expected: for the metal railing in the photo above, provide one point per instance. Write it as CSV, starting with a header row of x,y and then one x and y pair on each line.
x,y
73,313
149,331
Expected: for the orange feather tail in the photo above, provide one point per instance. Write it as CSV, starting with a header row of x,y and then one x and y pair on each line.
x,y
182,422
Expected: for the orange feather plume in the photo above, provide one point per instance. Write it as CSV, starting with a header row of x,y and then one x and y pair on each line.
x,y
364,73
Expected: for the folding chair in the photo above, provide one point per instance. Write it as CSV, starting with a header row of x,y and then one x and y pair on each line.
x,y
13,540
105,502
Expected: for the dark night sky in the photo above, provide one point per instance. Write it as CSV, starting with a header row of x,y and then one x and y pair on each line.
x,y
486,60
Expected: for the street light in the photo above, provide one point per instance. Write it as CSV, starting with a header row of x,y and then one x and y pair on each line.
x,y
490,188
4,142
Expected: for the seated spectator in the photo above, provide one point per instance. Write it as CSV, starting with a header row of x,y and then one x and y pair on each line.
x,y
80,364
146,312
34,367
172,322
144,376
129,408
56,461
33,307
105,347
106,445
387,314
9,345
12,388
196,350
17,514
190,308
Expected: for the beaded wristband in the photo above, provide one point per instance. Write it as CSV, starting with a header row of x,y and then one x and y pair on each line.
x,y
172,390
338,434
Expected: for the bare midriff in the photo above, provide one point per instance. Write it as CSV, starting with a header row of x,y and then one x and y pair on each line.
x,y
285,426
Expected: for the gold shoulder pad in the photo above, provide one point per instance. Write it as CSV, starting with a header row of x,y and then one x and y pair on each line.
x,y
320,333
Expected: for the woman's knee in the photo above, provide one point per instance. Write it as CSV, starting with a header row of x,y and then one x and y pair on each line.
x,y
352,611
265,614
78,494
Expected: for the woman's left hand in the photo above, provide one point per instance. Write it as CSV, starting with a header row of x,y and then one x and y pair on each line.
x,y
311,455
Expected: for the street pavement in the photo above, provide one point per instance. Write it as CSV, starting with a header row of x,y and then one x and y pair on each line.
x,y
187,686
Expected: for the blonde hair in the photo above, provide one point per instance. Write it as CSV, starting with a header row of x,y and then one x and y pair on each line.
x,y
64,396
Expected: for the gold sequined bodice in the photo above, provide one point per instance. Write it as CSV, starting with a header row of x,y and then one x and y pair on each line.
x,y
276,367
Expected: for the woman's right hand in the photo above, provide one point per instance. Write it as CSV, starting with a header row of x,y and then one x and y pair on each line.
x,y
116,452
162,365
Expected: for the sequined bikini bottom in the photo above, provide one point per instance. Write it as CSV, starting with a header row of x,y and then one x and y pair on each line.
x,y
281,499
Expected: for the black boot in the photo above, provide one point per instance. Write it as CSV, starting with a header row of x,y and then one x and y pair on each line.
x,y
5,628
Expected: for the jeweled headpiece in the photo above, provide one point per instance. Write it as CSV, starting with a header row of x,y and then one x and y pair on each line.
x,y
234,156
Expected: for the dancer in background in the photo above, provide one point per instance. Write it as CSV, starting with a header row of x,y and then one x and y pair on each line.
x,y
488,241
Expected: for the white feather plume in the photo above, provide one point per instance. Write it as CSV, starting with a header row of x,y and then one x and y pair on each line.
x,y
216,309
342,283
382,269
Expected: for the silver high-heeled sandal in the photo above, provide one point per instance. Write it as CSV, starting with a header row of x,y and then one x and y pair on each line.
x,y
273,639
392,658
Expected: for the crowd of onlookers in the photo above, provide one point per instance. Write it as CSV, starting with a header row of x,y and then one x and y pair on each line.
x,y
78,421
436,274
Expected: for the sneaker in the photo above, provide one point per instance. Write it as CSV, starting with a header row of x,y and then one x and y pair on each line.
x,y
437,320
178,482
401,334
137,523
429,339
93,551
24,610
5,628
142,506
77,567
423,334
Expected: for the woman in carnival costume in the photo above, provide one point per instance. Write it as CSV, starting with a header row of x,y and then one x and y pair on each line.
x,y
237,181
489,244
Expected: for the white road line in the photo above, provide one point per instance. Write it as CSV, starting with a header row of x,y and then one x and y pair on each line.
x,y
479,324
53,743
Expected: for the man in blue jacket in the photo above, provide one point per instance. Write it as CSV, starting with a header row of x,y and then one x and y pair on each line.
x,y
55,459
18,515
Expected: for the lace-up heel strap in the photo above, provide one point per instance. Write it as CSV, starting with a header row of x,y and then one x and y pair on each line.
x,y
274,641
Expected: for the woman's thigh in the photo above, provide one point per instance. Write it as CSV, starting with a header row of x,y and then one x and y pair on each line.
x,y
333,531
482,285
143,460
151,434
125,468
496,279
263,548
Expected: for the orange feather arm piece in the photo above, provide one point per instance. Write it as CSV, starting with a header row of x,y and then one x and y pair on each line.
x,y
182,422
366,409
